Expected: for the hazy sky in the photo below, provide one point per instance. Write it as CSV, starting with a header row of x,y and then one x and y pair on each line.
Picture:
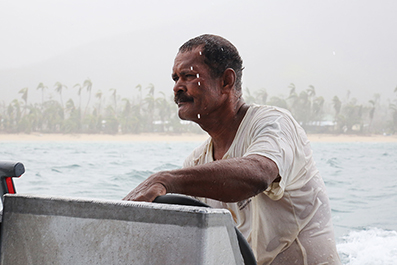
x,y
34,30
335,45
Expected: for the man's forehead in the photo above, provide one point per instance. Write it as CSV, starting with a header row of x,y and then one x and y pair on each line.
x,y
186,59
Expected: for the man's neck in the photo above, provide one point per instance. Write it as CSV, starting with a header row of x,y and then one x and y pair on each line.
x,y
223,129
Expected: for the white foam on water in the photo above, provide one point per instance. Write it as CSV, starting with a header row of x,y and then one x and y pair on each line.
x,y
368,247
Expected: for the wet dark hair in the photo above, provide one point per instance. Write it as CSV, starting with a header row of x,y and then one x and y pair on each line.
x,y
219,54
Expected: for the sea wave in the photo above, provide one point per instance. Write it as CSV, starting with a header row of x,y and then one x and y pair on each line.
x,y
368,247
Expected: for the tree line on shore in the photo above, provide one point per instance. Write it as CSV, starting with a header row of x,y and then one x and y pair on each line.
x,y
146,112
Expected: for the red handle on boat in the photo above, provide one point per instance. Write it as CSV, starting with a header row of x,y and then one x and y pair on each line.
x,y
9,170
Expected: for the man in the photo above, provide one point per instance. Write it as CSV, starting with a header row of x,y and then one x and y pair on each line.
x,y
257,162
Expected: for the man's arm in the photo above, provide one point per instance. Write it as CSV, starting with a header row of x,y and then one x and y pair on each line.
x,y
228,180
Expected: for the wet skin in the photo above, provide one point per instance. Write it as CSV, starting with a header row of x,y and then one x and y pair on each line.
x,y
196,93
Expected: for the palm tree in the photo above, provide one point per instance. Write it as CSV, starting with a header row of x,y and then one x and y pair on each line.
x,y
24,92
53,116
337,105
248,97
43,88
299,105
139,98
393,107
372,111
150,106
14,114
125,119
88,85
3,116
98,95
262,95
293,97
348,94
70,107
311,91
303,110
80,88
111,123
352,113
114,99
164,110
151,89
292,88
139,87
278,102
73,123
34,120
317,107
58,88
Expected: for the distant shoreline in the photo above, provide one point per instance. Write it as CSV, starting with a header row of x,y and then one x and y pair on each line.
x,y
162,137
145,137
343,138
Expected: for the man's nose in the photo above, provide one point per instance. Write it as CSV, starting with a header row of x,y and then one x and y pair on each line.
x,y
179,86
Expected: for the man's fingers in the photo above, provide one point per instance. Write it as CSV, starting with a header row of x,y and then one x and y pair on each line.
x,y
146,193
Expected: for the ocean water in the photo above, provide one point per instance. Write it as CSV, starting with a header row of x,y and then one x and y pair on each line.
x,y
361,180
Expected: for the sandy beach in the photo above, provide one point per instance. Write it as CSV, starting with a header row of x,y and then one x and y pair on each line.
x,y
352,138
161,137
147,137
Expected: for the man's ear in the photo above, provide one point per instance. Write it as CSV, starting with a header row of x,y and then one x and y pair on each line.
x,y
228,80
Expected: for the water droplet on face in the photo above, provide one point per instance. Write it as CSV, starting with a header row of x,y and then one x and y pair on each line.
x,y
200,52
198,116
199,83
191,68
197,75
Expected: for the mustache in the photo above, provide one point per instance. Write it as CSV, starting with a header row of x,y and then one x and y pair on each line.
x,y
182,97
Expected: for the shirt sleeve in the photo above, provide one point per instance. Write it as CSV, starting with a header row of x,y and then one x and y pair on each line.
x,y
275,135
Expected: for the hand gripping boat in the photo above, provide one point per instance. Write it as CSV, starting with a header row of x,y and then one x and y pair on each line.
x,y
174,229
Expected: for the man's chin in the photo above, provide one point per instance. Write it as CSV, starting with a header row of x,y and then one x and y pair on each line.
x,y
184,115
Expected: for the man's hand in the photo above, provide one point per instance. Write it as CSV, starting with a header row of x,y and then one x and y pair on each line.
x,y
146,191
227,180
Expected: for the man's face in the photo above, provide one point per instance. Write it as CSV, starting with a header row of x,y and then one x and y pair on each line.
x,y
196,92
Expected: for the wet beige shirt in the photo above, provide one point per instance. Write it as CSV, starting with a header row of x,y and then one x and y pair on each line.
x,y
291,217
